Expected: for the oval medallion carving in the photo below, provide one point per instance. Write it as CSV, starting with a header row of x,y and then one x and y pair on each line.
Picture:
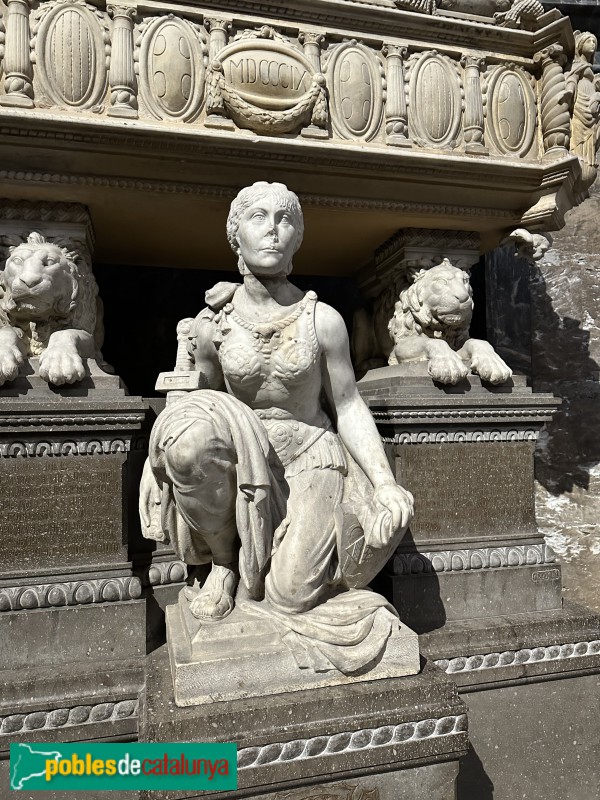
x,y
435,101
70,47
356,91
267,73
172,69
512,112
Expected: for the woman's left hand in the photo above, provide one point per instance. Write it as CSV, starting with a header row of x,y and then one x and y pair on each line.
x,y
398,501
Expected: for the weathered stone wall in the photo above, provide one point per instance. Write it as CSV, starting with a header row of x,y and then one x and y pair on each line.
x,y
545,321
565,295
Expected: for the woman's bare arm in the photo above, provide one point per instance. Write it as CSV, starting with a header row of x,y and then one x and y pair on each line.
x,y
354,422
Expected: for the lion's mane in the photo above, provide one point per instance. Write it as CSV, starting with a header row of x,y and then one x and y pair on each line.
x,y
415,311
83,311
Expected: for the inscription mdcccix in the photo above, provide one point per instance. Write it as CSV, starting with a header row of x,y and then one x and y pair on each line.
x,y
60,511
462,490
268,74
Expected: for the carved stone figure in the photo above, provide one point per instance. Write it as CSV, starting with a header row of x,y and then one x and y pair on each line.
x,y
532,246
273,479
49,308
507,13
431,323
584,87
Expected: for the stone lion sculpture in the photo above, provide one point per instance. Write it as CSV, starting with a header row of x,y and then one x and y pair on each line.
x,y
49,308
431,323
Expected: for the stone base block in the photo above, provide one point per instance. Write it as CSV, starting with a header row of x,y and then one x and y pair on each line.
x,y
429,600
386,739
244,656
70,674
537,676
503,649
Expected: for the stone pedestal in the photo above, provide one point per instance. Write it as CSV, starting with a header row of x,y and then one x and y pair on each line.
x,y
391,739
244,656
72,640
478,582
466,452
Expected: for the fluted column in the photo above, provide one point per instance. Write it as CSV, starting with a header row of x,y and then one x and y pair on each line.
x,y
556,120
123,85
396,112
18,80
311,43
473,105
219,31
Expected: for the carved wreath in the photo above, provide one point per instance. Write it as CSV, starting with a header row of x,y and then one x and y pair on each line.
x,y
312,106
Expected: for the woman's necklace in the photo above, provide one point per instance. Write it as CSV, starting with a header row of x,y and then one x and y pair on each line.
x,y
266,330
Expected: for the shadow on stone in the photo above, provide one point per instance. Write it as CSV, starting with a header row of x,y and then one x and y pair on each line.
x,y
473,783
570,445
415,591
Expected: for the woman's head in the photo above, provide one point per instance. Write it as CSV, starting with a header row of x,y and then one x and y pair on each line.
x,y
585,44
265,227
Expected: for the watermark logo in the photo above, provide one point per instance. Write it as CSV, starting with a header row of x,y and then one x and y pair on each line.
x,y
90,766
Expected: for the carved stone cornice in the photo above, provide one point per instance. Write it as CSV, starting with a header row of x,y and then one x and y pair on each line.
x,y
352,741
69,593
480,558
519,658
59,718
162,573
181,187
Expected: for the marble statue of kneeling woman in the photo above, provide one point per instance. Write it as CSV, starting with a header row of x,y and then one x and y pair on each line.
x,y
256,475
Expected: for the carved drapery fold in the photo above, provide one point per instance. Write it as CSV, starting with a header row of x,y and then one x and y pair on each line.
x,y
396,113
18,80
554,101
123,84
473,120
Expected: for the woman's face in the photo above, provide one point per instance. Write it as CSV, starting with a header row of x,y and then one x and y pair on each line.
x,y
588,47
267,237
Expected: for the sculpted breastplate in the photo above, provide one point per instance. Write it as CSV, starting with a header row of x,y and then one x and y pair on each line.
x,y
265,361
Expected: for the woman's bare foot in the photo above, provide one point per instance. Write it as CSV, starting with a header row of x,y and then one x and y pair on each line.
x,y
214,601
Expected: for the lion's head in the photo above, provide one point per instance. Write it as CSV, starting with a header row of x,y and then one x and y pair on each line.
x,y
43,284
440,300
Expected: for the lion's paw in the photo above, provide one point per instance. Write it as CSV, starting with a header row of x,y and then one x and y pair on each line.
x,y
11,359
448,368
490,367
59,366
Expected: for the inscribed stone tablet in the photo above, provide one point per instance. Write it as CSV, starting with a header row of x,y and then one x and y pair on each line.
x,y
60,511
469,491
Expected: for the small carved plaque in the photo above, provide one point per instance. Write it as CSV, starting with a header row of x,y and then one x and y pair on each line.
x,y
546,575
471,491
59,511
